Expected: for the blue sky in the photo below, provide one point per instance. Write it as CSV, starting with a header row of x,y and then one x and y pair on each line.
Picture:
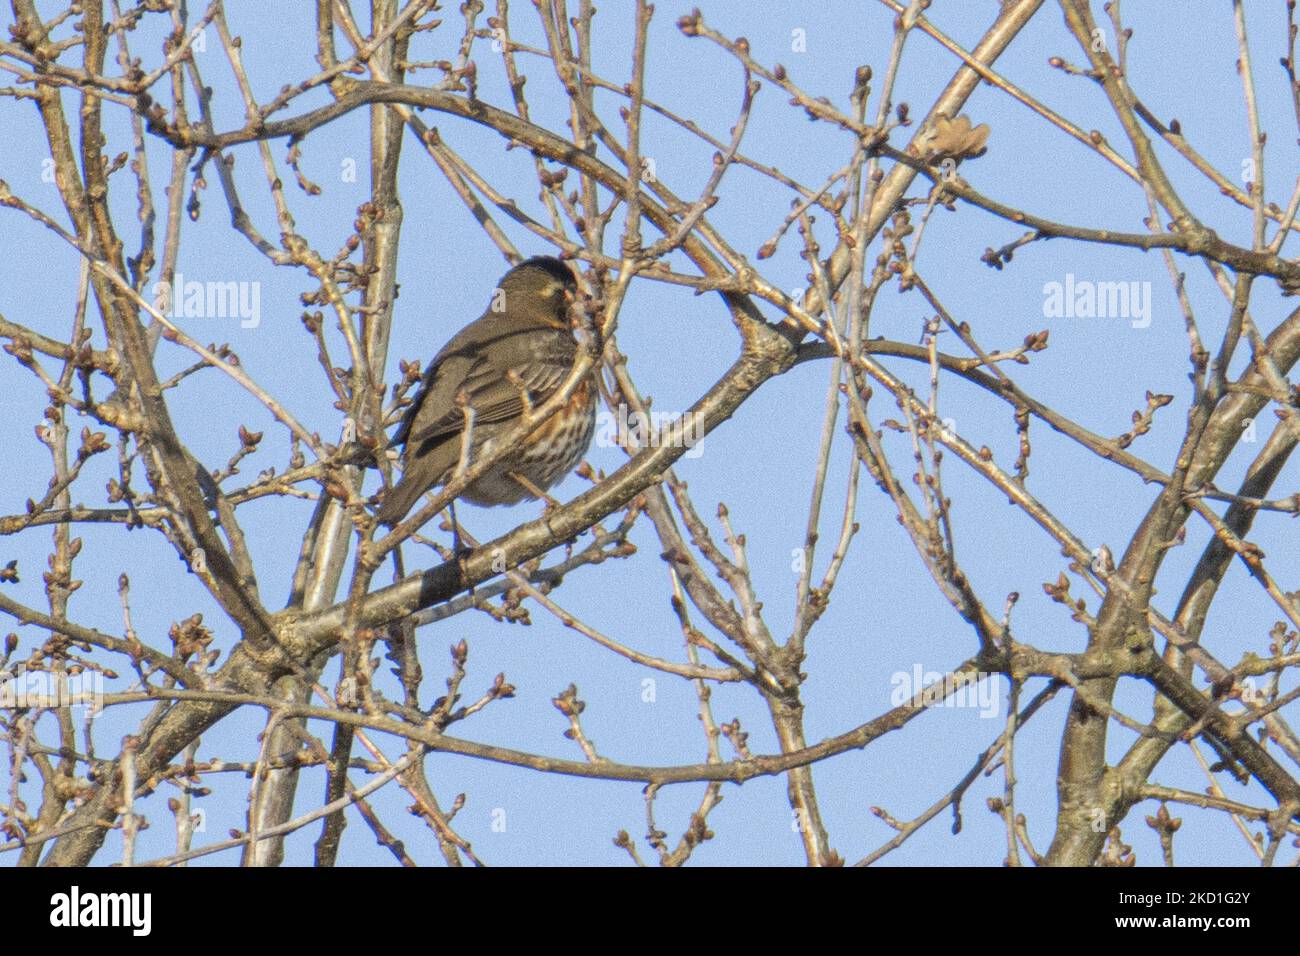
x,y
886,617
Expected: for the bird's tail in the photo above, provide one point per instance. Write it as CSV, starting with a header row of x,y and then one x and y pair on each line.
x,y
399,500
424,469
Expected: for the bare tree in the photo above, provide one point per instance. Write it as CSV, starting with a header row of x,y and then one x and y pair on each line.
x,y
599,199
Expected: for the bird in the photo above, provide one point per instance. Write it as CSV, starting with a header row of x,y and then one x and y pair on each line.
x,y
499,369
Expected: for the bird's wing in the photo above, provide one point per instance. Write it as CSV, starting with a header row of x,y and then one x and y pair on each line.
x,y
478,365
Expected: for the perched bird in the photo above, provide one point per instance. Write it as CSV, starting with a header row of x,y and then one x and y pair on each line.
x,y
505,365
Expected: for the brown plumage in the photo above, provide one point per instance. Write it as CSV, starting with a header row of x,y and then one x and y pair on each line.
x,y
522,343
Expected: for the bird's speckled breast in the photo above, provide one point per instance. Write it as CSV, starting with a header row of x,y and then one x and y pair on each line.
x,y
545,456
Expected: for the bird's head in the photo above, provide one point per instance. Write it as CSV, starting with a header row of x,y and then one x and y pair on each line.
x,y
540,290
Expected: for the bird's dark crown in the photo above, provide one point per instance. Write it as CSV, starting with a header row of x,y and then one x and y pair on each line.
x,y
549,265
